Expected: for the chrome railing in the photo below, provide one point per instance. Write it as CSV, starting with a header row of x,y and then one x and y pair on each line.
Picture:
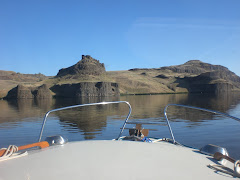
x,y
81,105
197,108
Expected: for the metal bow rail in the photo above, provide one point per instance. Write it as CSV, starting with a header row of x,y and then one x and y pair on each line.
x,y
82,105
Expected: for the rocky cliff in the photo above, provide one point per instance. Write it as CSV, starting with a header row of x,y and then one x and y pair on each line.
x,y
24,92
86,66
213,82
86,89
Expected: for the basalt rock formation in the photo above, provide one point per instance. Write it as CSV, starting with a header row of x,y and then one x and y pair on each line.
x,y
85,69
20,92
24,92
213,82
42,92
86,89
86,66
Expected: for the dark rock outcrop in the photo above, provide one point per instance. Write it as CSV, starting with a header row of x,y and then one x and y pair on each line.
x,y
86,89
42,92
210,82
162,76
24,92
209,77
210,88
86,66
221,74
137,69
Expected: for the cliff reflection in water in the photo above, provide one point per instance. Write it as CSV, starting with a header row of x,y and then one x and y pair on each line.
x,y
91,122
153,106
221,102
88,121
23,109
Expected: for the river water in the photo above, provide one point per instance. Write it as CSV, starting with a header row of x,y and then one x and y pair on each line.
x,y
20,121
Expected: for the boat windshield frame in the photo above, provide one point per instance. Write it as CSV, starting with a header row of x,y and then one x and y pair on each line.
x,y
82,105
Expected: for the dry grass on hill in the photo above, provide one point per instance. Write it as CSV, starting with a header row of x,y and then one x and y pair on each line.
x,y
136,83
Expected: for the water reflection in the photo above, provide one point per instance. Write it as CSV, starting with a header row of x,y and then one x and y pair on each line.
x,y
22,118
89,120
23,109
152,106
220,102
144,107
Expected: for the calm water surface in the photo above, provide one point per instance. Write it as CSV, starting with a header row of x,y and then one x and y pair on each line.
x,y
20,121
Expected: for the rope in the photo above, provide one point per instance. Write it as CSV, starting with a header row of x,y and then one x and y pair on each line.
x,y
10,153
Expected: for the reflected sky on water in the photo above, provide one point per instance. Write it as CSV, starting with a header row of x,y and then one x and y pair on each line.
x,y
20,121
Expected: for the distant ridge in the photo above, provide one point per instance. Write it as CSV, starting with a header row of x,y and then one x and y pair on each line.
x,y
11,75
195,67
192,67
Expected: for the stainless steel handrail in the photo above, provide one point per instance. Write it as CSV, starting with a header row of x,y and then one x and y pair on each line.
x,y
81,105
192,107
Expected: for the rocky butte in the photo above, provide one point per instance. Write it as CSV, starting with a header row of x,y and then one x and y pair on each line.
x,y
87,66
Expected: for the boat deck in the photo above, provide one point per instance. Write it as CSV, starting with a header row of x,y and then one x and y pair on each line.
x,y
111,160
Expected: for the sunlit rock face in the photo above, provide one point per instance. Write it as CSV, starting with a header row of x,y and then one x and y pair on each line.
x,y
86,66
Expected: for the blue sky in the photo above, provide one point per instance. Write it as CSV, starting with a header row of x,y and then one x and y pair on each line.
x,y
47,35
